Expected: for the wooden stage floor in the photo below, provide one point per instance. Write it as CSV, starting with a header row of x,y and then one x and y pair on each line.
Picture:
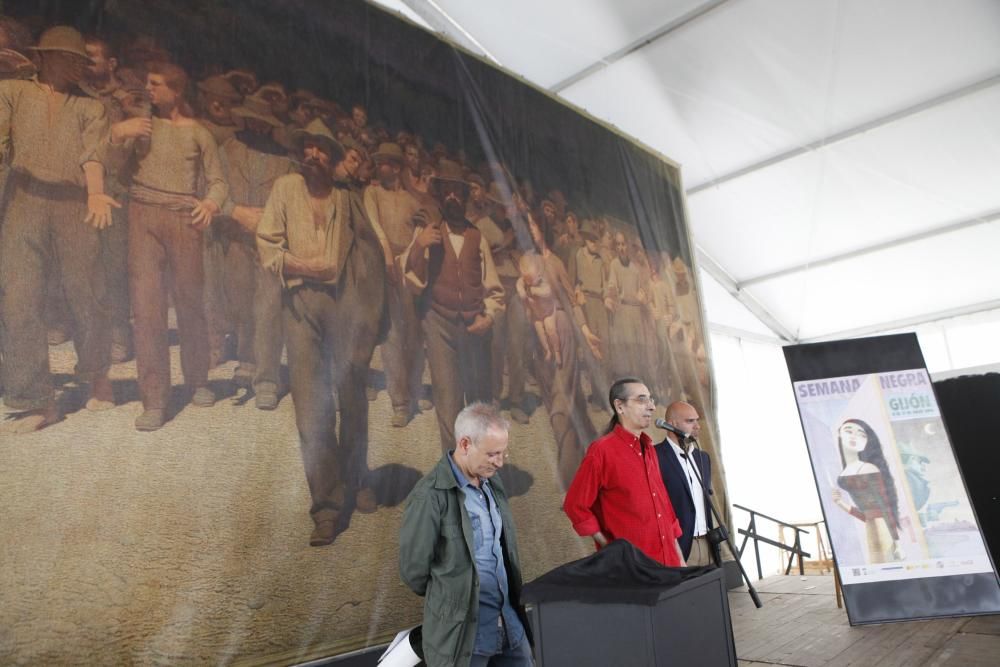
x,y
800,624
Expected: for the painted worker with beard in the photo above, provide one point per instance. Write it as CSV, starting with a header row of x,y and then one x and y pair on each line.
x,y
450,268
315,236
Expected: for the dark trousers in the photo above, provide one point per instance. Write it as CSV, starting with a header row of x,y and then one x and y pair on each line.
x,y
518,656
57,314
596,315
403,349
239,284
510,339
628,342
253,300
667,382
44,228
460,370
114,244
269,335
324,357
565,402
162,241
214,293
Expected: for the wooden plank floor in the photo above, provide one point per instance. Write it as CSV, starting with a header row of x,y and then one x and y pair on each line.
x,y
801,625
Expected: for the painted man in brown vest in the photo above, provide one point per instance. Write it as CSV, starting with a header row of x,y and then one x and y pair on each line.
x,y
450,267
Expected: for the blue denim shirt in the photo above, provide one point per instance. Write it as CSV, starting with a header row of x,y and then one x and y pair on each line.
x,y
494,602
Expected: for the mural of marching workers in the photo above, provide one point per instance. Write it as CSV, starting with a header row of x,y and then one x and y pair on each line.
x,y
254,258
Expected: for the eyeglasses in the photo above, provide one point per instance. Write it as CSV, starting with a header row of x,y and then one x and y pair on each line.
x,y
642,400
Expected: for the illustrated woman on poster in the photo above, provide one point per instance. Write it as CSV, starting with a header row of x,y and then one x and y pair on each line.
x,y
871,489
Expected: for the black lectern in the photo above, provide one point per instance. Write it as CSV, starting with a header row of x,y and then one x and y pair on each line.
x,y
618,607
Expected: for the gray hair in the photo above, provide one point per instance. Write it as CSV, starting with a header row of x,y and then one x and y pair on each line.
x,y
477,419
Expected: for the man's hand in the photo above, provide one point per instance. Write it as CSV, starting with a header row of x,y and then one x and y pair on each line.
x,y
248,217
609,303
581,298
480,325
133,128
428,236
319,269
593,342
600,539
421,218
202,214
99,210
391,270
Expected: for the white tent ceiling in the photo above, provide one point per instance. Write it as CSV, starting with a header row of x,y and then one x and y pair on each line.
x,y
841,158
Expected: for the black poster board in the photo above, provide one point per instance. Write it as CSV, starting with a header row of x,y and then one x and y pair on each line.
x,y
905,538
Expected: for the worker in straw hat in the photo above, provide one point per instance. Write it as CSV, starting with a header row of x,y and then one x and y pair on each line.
x,y
56,205
255,161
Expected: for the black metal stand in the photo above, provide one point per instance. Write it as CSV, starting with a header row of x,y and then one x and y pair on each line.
x,y
721,526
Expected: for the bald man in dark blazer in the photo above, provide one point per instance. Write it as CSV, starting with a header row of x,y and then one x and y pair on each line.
x,y
678,464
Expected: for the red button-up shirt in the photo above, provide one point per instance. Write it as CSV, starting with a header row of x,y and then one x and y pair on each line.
x,y
619,491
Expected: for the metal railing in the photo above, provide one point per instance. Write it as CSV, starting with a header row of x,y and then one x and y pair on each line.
x,y
751,533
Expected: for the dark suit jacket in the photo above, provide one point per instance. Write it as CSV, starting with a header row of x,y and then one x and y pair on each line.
x,y
675,479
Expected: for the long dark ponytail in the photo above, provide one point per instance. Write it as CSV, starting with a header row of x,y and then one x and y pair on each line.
x,y
618,393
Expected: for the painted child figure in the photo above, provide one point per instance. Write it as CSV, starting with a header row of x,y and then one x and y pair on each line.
x,y
541,304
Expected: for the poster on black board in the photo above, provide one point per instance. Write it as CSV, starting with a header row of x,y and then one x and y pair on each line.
x,y
904,534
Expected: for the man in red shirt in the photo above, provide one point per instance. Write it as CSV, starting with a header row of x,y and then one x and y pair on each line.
x,y
618,491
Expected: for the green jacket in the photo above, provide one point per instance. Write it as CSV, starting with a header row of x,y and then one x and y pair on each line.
x,y
436,562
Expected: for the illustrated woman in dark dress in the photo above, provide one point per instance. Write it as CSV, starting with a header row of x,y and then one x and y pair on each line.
x,y
871,491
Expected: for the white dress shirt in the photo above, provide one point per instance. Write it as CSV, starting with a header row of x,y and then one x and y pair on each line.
x,y
697,493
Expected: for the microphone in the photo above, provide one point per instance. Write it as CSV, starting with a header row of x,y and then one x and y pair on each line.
x,y
662,423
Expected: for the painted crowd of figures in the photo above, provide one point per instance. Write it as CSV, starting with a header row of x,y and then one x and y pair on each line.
x,y
279,224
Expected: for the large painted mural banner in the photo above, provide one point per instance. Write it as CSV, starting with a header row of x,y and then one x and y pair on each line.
x,y
254,258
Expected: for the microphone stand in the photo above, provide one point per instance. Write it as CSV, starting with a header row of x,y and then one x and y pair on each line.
x,y
720,525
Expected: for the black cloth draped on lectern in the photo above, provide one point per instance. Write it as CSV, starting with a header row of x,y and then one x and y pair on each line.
x,y
617,573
